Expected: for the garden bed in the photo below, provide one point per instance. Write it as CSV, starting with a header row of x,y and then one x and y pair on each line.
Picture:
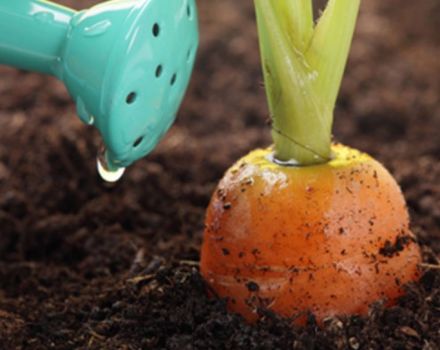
x,y
88,265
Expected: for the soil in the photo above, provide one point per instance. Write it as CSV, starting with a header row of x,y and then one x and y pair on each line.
x,y
87,265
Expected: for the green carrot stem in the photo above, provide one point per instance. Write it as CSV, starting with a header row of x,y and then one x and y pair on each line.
x,y
303,65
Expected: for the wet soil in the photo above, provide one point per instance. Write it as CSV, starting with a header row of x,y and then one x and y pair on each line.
x,y
87,265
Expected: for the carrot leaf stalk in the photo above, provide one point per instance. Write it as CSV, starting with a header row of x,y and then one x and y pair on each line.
x,y
303,65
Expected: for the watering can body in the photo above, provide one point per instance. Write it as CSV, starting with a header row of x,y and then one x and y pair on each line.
x,y
126,63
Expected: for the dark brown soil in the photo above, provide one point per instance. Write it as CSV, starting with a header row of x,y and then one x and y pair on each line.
x,y
85,265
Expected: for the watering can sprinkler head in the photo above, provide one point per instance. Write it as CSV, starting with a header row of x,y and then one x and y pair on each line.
x,y
126,64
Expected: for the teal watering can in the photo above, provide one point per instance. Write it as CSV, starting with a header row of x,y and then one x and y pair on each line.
x,y
125,63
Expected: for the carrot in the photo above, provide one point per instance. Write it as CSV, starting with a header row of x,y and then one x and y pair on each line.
x,y
306,225
330,238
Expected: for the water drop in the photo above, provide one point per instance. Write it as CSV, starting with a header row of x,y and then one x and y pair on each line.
x,y
109,175
97,29
44,17
287,163
104,171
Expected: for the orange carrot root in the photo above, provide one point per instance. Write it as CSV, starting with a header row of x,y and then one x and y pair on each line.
x,y
330,238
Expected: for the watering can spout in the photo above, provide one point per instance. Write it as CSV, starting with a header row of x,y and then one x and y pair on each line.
x,y
126,64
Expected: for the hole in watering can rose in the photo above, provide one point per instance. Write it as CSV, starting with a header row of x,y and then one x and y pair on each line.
x,y
131,97
156,29
188,54
173,79
159,70
138,141
188,11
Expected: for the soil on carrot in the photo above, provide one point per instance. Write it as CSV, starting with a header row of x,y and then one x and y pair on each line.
x,y
87,265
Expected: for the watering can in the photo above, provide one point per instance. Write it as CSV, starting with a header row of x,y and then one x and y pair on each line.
x,y
125,63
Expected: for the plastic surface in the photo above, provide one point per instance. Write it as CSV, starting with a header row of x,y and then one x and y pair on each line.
x,y
126,63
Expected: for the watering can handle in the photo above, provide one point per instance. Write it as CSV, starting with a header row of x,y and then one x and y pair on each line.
x,y
32,34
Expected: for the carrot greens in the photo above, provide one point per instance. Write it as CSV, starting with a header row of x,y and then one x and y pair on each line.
x,y
303,64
